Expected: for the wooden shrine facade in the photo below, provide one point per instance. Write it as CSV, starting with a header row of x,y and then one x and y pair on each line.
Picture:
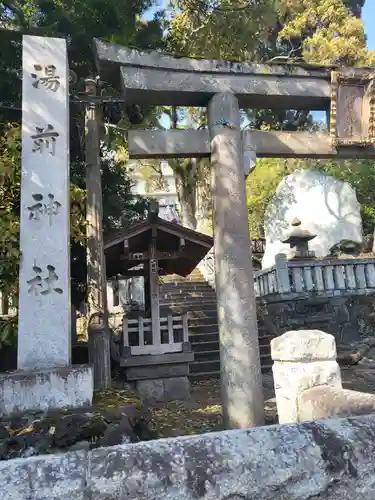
x,y
150,248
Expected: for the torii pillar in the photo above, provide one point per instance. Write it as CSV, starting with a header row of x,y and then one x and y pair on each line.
x,y
241,380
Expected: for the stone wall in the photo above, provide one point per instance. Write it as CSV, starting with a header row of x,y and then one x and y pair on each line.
x,y
349,318
331,459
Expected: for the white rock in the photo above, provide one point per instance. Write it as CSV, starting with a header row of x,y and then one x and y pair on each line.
x,y
325,205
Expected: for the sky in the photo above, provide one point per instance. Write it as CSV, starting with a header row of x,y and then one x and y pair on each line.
x,y
368,16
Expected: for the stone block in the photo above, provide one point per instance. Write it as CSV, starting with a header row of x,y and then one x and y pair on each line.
x,y
291,379
14,480
163,390
159,359
332,402
158,371
59,477
302,359
331,460
44,389
304,345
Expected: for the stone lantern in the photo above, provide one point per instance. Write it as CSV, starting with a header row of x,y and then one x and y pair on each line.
x,y
298,240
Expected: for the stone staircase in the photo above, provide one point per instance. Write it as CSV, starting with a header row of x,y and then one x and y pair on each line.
x,y
195,296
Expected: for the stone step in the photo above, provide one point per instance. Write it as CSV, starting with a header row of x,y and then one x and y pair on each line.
x,y
214,355
264,339
207,312
210,355
195,329
186,287
193,285
189,307
309,321
315,325
188,297
265,350
199,329
198,305
266,368
198,278
207,345
215,374
202,326
186,292
204,366
265,361
186,304
195,315
212,343
197,338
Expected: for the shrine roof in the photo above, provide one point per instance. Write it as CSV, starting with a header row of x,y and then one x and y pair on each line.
x,y
169,237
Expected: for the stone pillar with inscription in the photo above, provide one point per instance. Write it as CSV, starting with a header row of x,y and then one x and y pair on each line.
x,y
241,381
45,378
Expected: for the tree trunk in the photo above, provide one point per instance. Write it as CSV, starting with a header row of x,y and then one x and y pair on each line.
x,y
186,192
99,333
99,346
204,198
187,214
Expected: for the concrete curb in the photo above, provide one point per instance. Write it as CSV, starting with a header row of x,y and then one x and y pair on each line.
x,y
332,459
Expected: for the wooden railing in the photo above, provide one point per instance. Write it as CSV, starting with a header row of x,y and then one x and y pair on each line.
x,y
332,276
137,334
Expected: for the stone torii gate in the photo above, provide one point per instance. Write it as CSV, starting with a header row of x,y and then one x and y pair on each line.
x,y
224,87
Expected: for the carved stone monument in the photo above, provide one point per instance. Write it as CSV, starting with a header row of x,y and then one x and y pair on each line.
x,y
45,378
327,206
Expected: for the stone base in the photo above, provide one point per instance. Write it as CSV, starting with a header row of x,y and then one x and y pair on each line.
x,y
158,366
162,390
68,386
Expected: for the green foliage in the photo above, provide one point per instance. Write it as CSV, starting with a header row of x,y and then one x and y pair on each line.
x,y
234,33
360,174
321,31
78,21
9,208
328,32
260,187
10,184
